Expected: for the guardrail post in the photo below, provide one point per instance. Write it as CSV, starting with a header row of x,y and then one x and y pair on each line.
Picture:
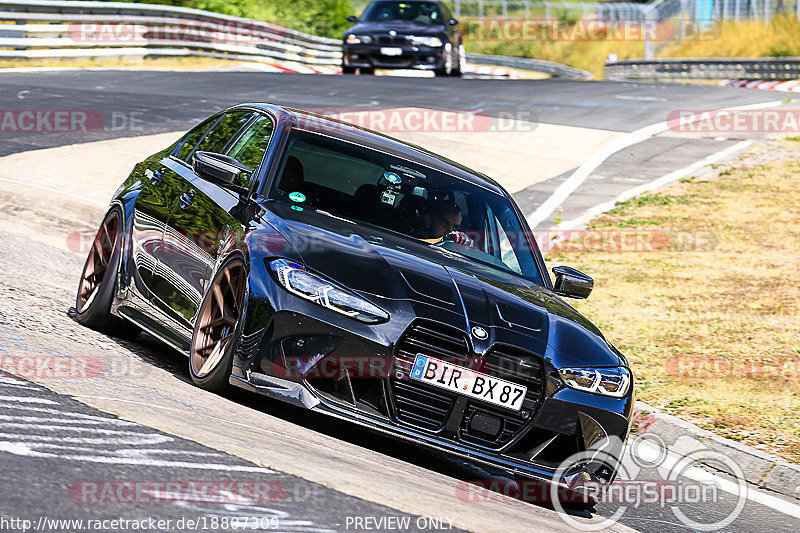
x,y
504,3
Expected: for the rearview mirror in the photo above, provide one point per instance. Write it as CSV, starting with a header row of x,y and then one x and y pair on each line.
x,y
217,168
452,22
352,18
572,283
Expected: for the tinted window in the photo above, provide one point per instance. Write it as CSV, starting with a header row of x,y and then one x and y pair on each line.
x,y
191,138
224,132
364,185
422,12
249,148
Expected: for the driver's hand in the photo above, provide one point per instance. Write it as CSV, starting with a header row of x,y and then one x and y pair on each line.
x,y
461,238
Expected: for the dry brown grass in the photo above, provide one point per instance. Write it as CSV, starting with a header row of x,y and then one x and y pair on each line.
x,y
712,334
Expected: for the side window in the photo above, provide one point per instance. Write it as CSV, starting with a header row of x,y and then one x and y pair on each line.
x,y
250,146
191,139
224,132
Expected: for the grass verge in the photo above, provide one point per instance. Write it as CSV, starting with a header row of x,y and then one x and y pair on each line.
x,y
709,315
779,37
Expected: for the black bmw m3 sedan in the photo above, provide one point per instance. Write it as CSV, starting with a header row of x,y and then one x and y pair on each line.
x,y
352,274
408,34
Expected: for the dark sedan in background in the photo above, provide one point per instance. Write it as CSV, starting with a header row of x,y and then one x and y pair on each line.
x,y
404,35
349,273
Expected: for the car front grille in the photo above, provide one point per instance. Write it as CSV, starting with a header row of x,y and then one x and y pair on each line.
x,y
429,407
517,366
392,39
417,403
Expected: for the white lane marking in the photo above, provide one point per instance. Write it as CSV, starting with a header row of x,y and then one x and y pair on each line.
x,y
26,399
696,473
639,98
29,450
598,158
664,180
21,94
52,190
99,431
12,381
77,417
132,439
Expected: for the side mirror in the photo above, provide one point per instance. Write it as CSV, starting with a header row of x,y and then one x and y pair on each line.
x,y
572,283
352,18
220,169
452,22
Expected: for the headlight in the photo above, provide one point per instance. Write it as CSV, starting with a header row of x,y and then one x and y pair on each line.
x,y
606,381
358,39
427,41
300,282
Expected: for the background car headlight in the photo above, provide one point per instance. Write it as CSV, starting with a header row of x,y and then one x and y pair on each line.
x,y
426,41
358,39
606,381
300,282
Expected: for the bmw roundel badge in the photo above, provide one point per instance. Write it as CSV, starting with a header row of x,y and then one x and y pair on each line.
x,y
480,333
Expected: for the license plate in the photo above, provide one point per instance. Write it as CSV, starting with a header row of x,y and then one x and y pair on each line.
x,y
392,51
468,382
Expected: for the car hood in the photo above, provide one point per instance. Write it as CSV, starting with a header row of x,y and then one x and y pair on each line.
x,y
402,28
412,279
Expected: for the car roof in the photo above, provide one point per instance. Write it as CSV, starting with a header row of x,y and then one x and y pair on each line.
x,y
344,131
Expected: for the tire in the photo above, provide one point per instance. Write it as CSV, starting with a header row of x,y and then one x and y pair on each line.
x,y
217,328
348,70
366,71
541,495
99,281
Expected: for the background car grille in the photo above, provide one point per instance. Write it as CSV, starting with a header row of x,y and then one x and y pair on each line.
x,y
417,403
389,39
428,407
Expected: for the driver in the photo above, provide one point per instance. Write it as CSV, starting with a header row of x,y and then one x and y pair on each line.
x,y
442,224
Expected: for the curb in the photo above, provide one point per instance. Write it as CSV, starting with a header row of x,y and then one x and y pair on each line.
x,y
791,86
762,469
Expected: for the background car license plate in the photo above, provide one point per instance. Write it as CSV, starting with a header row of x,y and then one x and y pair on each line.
x,y
468,382
391,51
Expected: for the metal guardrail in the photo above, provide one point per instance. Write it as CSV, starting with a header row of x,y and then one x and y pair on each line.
x,y
556,70
69,29
764,68
55,28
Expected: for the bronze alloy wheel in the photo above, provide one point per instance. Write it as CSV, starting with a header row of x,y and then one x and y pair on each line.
x,y
216,322
97,264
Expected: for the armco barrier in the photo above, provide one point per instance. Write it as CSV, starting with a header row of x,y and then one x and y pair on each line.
x,y
52,28
69,29
556,70
764,68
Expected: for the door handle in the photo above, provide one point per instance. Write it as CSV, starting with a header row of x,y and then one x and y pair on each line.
x,y
187,198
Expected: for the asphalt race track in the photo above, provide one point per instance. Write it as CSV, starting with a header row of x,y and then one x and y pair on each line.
x,y
134,416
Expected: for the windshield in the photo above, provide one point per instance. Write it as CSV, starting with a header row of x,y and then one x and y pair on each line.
x,y
367,186
421,12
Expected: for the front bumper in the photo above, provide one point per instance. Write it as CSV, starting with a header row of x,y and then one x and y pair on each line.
x,y
412,57
311,359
